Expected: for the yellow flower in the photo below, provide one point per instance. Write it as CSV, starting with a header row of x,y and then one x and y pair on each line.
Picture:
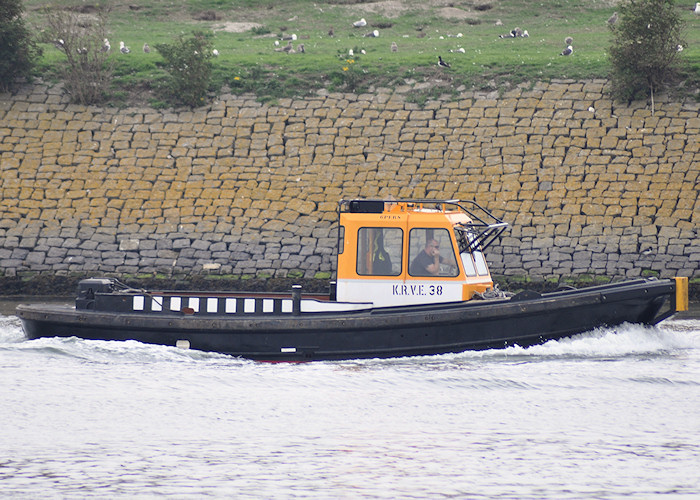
x,y
345,68
236,77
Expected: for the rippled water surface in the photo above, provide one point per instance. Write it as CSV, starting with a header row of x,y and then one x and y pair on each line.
x,y
608,414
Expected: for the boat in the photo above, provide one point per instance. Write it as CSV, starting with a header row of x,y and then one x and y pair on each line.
x,y
411,280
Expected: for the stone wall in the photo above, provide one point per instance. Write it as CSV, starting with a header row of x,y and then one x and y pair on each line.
x,y
245,188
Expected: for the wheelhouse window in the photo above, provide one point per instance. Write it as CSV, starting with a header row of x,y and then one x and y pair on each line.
x,y
379,251
473,261
341,239
430,253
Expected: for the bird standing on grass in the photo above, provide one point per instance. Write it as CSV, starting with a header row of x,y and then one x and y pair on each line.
x,y
567,51
106,47
612,19
146,48
442,63
394,47
123,48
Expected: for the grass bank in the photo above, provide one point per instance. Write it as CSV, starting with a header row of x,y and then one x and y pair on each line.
x,y
465,33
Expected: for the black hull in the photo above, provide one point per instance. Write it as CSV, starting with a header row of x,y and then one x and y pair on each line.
x,y
379,333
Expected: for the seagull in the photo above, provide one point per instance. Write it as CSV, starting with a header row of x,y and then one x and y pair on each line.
x,y
372,34
288,47
461,50
60,44
442,63
123,48
360,24
351,53
679,48
525,34
106,47
394,47
697,8
146,48
567,51
215,53
612,19
498,22
568,40
81,50
293,37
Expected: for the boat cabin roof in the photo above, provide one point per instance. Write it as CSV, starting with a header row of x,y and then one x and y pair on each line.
x,y
481,226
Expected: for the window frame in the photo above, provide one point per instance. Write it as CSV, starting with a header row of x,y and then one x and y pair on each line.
x,y
362,245
427,230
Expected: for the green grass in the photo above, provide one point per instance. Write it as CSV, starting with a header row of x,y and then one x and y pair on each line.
x,y
249,63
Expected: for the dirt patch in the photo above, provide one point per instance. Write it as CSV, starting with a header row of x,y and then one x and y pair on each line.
x,y
394,8
388,8
236,27
455,13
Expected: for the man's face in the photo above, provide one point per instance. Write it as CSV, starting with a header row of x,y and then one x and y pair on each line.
x,y
433,248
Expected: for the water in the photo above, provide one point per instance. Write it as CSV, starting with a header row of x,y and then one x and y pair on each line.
x,y
607,414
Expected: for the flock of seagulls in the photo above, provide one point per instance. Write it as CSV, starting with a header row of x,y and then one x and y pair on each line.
x,y
123,48
361,23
